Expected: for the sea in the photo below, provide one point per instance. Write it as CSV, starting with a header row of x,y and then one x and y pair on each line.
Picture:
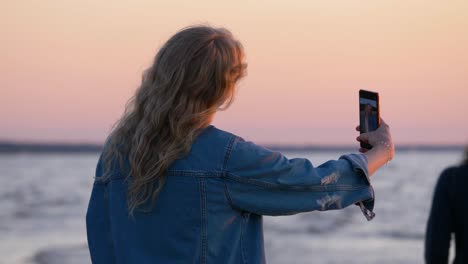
x,y
44,197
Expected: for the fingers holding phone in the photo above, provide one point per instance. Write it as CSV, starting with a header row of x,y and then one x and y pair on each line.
x,y
383,149
380,138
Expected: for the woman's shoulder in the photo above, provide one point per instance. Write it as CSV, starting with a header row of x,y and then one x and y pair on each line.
x,y
453,174
244,148
231,138
460,171
213,135
241,142
454,170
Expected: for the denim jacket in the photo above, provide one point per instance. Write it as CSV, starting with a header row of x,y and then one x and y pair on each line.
x,y
211,205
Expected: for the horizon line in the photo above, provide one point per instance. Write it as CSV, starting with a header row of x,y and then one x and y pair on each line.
x,y
9,146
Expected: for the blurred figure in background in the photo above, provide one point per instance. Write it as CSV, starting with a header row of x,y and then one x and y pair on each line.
x,y
449,214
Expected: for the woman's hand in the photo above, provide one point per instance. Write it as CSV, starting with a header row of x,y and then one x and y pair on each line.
x,y
382,150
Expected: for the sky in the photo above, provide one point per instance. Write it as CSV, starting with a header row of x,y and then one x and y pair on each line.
x,y
67,68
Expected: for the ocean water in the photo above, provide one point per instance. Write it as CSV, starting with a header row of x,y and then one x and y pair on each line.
x,y
43,200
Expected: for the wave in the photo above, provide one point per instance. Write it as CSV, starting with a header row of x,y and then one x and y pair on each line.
x,y
402,234
76,254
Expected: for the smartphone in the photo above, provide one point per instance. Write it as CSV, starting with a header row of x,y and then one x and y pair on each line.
x,y
369,113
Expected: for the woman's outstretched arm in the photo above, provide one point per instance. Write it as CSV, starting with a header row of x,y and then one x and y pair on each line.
x,y
265,182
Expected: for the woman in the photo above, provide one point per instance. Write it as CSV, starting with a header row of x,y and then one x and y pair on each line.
x,y
172,188
449,215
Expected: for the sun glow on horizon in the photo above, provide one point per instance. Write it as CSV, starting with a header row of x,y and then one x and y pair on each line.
x,y
68,68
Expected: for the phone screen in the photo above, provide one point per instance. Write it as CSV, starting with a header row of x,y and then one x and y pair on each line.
x,y
368,113
369,116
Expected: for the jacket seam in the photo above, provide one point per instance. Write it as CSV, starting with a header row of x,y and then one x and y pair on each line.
x,y
202,186
317,188
228,195
198,173
243,226
227,156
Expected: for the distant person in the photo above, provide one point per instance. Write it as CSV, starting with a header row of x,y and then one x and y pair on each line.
x,y
368,118
367,115
449,215
172,188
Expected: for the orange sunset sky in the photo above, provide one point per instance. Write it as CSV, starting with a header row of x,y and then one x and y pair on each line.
x,y
68,67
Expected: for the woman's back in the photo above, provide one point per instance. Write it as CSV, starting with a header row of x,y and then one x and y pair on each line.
x,y
209,210
172,232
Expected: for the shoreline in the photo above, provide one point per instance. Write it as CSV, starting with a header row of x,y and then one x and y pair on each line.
x,y
7,147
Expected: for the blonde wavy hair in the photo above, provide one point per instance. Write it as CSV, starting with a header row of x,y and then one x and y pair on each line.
x,y
193,76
